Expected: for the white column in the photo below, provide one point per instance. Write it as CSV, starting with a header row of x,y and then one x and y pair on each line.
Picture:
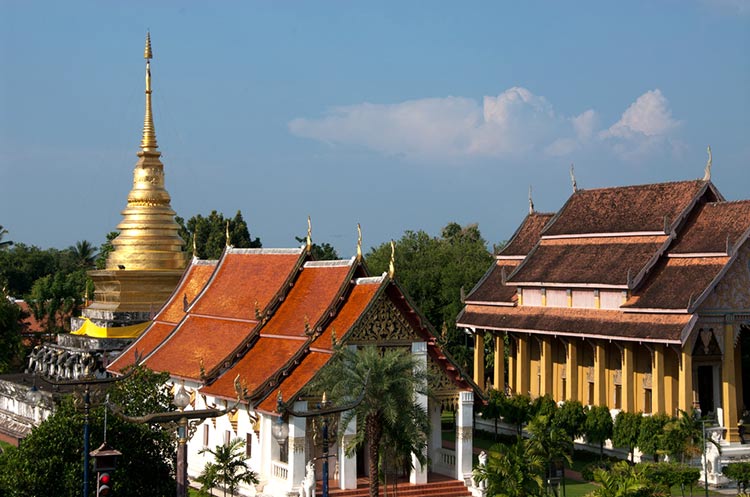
x,y
348,465
268,446
297,459
436,431
464,435
419,351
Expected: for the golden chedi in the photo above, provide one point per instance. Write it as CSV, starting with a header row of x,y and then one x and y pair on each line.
x,y
147,260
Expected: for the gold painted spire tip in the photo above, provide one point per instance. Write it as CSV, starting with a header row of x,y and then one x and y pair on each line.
x,y
226,234
573,178
147,51
392,262
359,242
531,202
707,171
308,240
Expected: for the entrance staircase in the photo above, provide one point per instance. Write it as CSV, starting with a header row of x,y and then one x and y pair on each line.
x,y
443,488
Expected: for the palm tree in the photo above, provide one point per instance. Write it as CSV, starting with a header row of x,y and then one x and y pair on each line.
x,y
6,243
388,410
84,254
513,470
550,442
228,468
621,481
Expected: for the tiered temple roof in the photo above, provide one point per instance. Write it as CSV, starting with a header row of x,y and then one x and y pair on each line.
x,y
665,246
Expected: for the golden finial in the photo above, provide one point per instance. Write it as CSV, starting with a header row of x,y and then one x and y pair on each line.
x,y
573,178
531,202
392,263
707,173
227,234
195,250
148,142
308,242
359,242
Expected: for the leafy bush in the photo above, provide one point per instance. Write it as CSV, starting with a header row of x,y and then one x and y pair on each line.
x,y
739,472
587,473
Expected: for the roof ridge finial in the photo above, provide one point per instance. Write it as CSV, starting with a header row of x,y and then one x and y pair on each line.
x,y
195,250
531,202
359,242
308,240
148,142
392,262
707,173
226,234
573,178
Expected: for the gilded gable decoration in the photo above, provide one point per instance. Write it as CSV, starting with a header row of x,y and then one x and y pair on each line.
x,y
383,324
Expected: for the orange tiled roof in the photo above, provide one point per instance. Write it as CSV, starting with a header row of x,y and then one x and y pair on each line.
x,y
192,282
491,288
526,236
578,322
677,282
624,209
144,345
198,339
599,260
709,230
244,277
276,354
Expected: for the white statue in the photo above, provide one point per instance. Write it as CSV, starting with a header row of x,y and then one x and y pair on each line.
x,y
479,488
307,487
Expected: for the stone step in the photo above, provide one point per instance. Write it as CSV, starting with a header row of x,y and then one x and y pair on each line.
x,y
452,488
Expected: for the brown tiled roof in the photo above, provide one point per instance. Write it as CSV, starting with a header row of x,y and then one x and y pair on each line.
x,y
676,282
243,278
146,343
312,294
624,209
192,282
577,322
526,236
490,288
292,385
598,260
198,339
707,232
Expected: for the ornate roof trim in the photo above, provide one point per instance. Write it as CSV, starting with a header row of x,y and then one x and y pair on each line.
x,y
336,263
266,251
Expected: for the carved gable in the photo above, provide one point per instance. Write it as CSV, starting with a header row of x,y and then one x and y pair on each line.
x,y
732,294
383,325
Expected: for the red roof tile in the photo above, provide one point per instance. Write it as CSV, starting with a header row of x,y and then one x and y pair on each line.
x,y
577,322
198,338
676,282
491,288
244,277
297,379
144,345
192,282
313,292
708,231
527,235
600,260
624,209
356,303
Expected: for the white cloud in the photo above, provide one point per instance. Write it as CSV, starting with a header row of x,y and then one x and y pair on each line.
x,y
513,123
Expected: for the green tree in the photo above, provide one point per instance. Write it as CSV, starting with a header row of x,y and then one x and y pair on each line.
x,y
388,410
517,410
598,426
49,459
549,441
210,234
621,481
4,243
625,431
433,270
84,254
683,436
493,410
228,469
322,252
739,472
11,326
105,249
21,265
54,298
649,437
512,470
570,417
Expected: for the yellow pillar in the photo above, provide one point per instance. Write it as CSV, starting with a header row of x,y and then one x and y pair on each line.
x,y
657,380
571,370
479,359
512,361
685,381
523,366
499,379
600,378
628,378
546,366
729,386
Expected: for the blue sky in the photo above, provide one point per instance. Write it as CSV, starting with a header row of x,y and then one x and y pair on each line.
x,y
396,115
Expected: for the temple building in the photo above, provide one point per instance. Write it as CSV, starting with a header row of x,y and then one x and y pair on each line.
x,y
636,297
268,319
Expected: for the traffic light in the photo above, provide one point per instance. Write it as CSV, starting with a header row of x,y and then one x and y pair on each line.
x,y
104,485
